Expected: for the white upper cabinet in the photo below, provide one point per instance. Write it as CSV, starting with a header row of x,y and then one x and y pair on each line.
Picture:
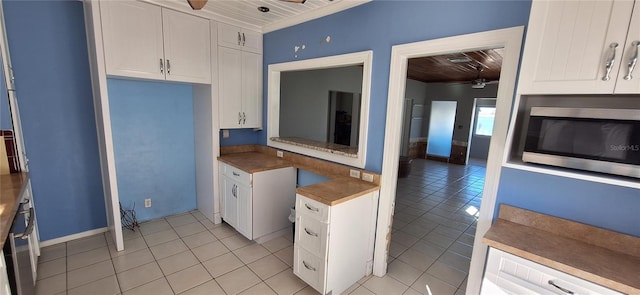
x,y
629,75
240,88
577,46
238,38
145,41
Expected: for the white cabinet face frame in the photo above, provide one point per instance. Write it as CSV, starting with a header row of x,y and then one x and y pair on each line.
x,y
363,58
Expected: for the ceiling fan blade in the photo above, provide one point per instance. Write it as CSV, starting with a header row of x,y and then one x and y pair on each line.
x,y
197,4
295,1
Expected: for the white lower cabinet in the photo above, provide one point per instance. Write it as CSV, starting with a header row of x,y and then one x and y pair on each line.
x,y
333,245
509,274
257,204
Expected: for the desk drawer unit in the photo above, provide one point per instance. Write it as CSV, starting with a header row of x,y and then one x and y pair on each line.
x,y
312,208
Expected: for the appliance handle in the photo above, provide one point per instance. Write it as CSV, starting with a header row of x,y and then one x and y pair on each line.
x,y
29,228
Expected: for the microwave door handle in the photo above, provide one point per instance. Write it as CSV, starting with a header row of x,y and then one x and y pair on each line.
x,y
30,226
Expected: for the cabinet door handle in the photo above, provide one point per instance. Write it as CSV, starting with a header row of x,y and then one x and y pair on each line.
x,y
311,268
30,224
239,118
235,174
550,282
168,67
244,118
311,208
161,66
633,60
244,40
310,232
239,38
610,62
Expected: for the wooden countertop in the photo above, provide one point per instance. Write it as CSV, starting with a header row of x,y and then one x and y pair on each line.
x,y
603,257
11,188
334,191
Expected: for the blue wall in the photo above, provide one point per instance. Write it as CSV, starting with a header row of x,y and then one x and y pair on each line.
x,y
49,56
5,113
239,136
153,138
377,26
308,178
608,206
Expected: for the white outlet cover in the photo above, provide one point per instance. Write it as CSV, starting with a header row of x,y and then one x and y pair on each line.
x,y
354,173
367,177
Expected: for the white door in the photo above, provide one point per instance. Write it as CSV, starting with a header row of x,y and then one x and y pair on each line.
x,y
132,36
630,83
569,43
187,47
230,87
251,90
229,36
229,193
245,213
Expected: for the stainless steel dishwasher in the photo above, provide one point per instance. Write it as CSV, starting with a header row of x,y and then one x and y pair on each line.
x,y
16,252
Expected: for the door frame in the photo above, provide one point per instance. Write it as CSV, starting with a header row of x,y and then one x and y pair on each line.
x,y
511,40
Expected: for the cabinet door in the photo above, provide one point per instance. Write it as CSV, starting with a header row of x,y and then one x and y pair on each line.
x,y
568,46
230,87
251,90
251,41
245,216
132,36
632,84
229,193
187,47
229,36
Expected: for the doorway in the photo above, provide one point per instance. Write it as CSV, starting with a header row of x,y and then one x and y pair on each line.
x,y
510,39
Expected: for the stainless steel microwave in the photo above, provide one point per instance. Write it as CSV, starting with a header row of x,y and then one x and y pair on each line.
x,y
592,139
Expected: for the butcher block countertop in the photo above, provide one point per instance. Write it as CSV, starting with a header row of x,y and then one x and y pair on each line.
x,y
340,188
11,188
594,254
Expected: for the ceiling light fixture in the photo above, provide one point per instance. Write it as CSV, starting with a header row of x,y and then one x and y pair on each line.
x,y
263,9
459,59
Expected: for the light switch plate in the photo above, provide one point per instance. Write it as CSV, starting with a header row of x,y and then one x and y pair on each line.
x,y
367,177
354,173
279,154
225,133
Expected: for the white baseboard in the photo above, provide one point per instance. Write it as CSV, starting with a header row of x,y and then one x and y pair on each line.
x,y
73,237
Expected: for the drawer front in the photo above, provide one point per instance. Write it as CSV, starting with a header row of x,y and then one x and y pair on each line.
x,y
312,208
309,268
236,174
311,234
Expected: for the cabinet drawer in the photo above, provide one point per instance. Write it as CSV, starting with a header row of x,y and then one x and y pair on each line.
x,y
311,234
236,174
309,268
312,208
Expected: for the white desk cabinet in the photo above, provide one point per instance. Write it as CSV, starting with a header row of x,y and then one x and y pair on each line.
x,y
569,47
240,88
257,204
333,245
142,40
239,38
509,274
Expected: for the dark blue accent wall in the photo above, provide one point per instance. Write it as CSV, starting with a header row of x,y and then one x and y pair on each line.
x,y
5,112
48,48
378,26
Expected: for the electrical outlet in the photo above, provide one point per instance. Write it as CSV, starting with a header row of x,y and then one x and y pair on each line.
x,y
354,173
279,154
147,203
225,133
367,177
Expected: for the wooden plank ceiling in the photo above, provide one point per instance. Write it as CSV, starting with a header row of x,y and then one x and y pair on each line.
x,y
440,68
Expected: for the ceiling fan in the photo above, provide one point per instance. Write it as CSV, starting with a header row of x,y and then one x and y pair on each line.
x,y
199,4
480,83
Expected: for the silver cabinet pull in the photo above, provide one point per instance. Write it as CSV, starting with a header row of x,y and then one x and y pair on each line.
x,y
30,224
239,38
611,62
168,67
310,232
244,118
311,268
239,118
633,60
235,174
550,282
244,40
311,208
161,66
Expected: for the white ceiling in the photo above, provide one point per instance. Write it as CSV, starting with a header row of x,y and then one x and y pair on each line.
x,y
244,13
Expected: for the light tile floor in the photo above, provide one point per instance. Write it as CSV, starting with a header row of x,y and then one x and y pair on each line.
x,y
188,254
